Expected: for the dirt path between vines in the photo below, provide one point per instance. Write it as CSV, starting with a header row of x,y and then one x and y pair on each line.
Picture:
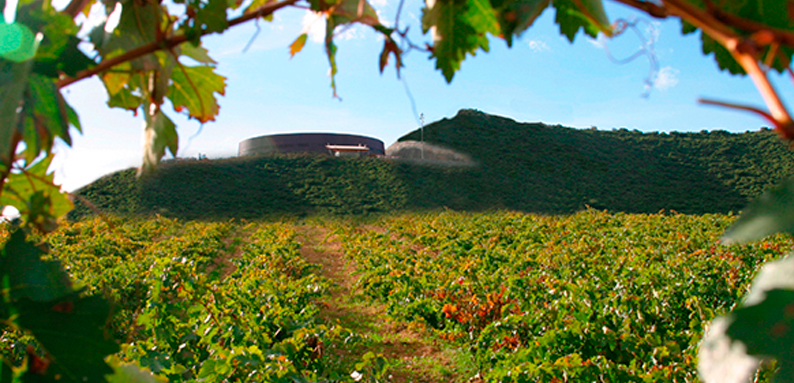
x,y
414,357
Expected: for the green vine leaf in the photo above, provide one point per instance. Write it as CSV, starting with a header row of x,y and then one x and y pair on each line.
x,y
211,16
116,79
131,373
72,330
330,51
194,88
47,117
68,59
33,193
772,212
458,28
198,53
590,16
724,59
13,82
125,99
767,328
33,278
137,27
515,16
256,4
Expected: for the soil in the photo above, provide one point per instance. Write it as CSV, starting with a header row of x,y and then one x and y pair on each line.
x,y
413,353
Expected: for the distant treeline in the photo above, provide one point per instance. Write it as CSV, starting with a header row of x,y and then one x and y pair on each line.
x,y
521,166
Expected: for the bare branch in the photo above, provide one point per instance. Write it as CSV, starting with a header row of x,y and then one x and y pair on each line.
x,y
167,43
745,108
701,19
648,7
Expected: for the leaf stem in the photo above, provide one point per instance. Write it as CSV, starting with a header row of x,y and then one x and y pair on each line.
x,y
746,108
648,7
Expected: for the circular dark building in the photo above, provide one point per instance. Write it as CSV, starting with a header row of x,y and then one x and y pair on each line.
x,y
321,143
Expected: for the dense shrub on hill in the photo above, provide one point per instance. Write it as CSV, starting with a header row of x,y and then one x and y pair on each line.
x,y
541,168
521,166
251,188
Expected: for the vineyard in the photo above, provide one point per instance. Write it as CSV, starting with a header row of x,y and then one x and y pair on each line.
x,y
514,297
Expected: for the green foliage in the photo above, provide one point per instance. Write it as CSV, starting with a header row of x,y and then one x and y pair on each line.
x,y
251,188
770,213
205,301
592,296
39,300
527,167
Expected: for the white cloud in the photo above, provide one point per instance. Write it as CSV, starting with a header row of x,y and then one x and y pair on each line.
x,y
666,78
314,24
538,46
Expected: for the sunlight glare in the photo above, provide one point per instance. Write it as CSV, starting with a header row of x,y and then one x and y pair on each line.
x,y
114,18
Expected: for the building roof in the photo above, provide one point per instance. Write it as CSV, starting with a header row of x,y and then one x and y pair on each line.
x,y
348,148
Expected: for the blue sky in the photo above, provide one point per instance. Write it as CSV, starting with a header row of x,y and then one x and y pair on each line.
x,y
542,78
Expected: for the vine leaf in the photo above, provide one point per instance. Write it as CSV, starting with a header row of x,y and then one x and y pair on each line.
x,y
194,88
13,82
724,59
723,361
116,79
160,133
349,11
131,373
67,58
762,325
330,51
256,4
515,16
34,279
458,28
125,99
137,27
298,44
72,331
33,193
47,117
197,53
767,328
589,15
211,16
343,13
390,47
772,212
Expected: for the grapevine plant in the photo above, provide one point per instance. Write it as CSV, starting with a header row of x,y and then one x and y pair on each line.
x,y
140,62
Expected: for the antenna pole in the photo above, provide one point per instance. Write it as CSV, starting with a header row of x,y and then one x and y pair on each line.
x,y
422,129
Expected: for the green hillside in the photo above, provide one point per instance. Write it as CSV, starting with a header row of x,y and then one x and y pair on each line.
x,y
521,166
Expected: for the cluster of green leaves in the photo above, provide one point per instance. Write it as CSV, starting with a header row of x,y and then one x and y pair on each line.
x,y
459,28
194,302
251,188
44,316
591,297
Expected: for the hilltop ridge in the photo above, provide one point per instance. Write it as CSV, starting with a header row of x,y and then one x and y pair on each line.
x,y
530,167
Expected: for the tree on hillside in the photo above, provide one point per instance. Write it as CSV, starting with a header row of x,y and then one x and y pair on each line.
x,y
141,63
